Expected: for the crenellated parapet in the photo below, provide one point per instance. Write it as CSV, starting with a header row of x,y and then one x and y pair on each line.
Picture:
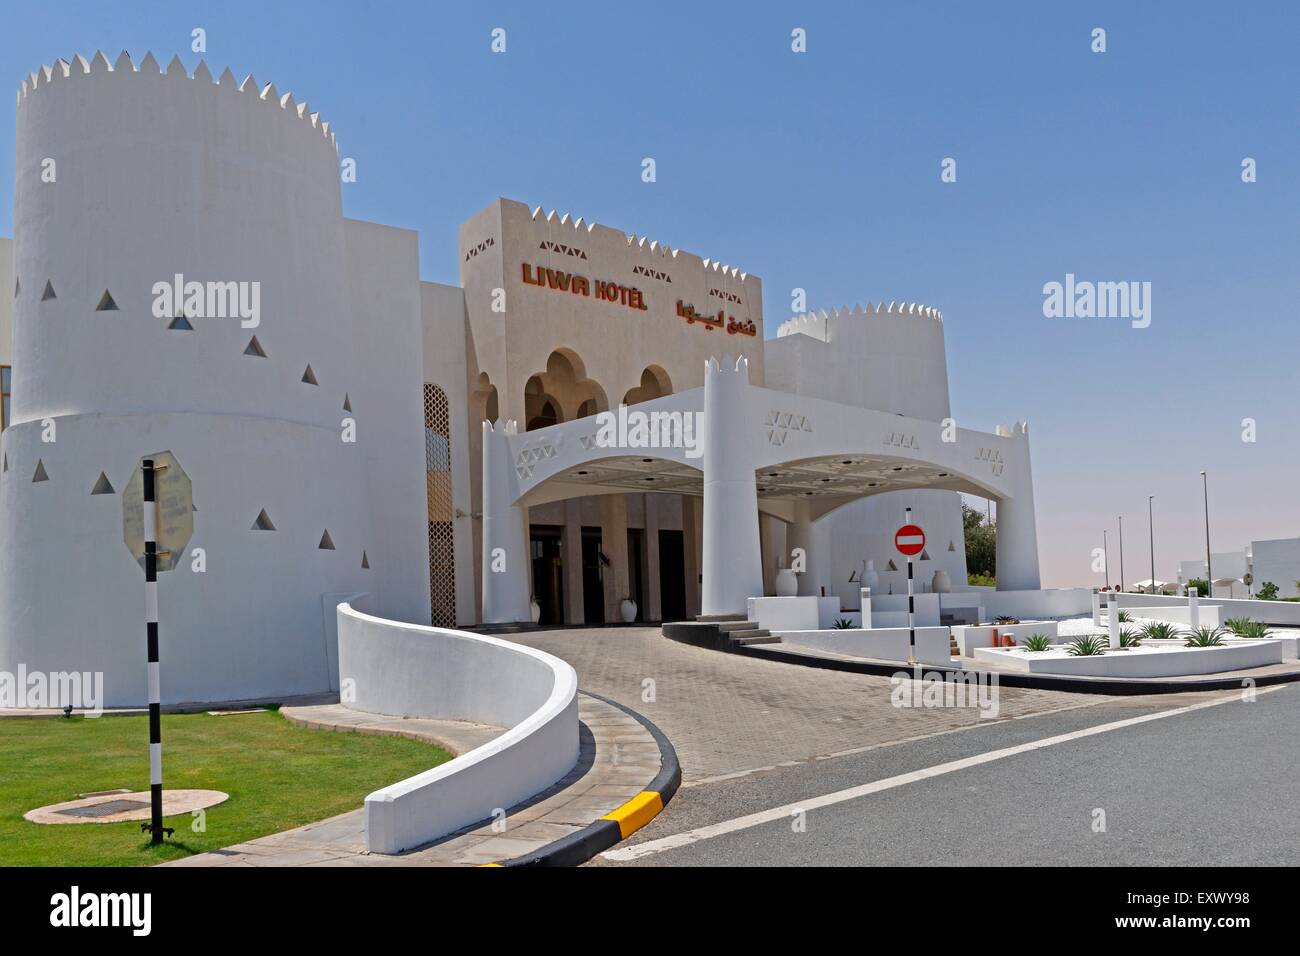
x,y
816,324
98,68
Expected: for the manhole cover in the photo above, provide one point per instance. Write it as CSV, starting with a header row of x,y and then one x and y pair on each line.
x,y
107,808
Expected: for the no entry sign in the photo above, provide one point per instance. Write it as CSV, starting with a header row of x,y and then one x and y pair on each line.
x,y
909,539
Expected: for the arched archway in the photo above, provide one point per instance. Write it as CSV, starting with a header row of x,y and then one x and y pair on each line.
x,y
566,385
655,383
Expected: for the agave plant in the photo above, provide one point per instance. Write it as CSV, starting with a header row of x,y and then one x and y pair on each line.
x,y
1159,631
1204,636
1006,620
1129,637
842,624
1037,642
1245,627
1124,618
1087,647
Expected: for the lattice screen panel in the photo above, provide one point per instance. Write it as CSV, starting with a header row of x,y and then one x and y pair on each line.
x,y
442,545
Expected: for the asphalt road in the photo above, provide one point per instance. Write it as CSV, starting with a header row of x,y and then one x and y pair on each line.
x,y
1212,786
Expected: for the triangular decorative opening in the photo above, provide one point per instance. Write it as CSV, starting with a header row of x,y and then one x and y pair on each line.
x,y
254,347
49,292
347,403
263,522
309,377
952,546
103,486
891,566
326,542
40,472
925,555
181,324
365,561
18,286
6,463
106,303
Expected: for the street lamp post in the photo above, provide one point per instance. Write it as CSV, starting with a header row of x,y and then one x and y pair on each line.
x,y
1209,575
1152,531
1121,552
1105,557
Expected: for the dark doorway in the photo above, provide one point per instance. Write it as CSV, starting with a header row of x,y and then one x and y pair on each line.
x,y
548,572
672,575
593,590
636,569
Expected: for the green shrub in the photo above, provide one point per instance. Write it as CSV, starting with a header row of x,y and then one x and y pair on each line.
x,y
842,624
1245,627
1202,587
1006,620
1037,642
1267,591
1159,630
1087,647
1129,637
1205,637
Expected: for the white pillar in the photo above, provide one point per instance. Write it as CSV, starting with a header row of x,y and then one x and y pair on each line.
x,y
866,607
1193,609
799,534
1017,532
733,570
1112,610
505,533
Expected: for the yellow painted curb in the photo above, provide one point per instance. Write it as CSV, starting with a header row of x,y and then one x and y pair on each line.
x,y
636,813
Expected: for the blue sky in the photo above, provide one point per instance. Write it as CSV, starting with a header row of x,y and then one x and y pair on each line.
x,y
821,171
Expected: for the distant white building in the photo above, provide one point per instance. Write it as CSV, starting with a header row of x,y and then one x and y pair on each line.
x,y
1238,574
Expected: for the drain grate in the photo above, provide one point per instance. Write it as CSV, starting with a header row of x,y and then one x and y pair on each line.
x,y
105,809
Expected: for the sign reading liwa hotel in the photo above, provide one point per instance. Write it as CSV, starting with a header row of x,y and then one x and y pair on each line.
x,y
557,280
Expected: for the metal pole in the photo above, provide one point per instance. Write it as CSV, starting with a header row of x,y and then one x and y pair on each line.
x,y
155,825
911,607
1121,552
1209,574
1152,531
1105,557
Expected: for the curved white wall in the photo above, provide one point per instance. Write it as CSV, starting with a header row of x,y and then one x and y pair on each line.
x,y
408,670
157,174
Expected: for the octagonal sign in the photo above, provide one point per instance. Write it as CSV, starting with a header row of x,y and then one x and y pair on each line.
x,y
174,499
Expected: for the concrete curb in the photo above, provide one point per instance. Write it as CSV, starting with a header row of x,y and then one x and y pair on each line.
x,y
623,821
699,635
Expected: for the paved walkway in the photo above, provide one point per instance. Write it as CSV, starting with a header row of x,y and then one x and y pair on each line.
x,y
728,715
618,759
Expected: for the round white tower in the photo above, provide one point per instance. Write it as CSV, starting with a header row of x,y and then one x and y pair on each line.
x,y
130,181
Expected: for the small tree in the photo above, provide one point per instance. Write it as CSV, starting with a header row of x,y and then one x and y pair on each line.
x,y
1267,591
1202,586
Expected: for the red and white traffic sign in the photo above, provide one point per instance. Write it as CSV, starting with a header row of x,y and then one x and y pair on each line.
x,y
909,539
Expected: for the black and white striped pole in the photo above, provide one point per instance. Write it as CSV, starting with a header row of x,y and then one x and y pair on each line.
x,y
910,541
911,604
155,824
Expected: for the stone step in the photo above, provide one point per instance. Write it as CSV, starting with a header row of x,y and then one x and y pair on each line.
x,y
715,618
728,627
764,638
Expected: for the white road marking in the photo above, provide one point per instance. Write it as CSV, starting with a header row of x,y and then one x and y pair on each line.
x,y
651,847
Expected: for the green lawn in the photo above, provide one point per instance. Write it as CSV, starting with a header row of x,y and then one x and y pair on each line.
x,y
278,776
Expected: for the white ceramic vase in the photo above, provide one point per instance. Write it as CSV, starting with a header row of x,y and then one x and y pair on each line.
x,y
787,583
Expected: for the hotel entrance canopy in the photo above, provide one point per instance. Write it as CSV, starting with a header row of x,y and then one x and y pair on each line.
x,y
745,449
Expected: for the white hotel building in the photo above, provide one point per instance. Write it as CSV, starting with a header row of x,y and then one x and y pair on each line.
x,y
818,437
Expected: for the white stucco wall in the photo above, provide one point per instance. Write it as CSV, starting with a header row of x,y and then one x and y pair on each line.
x,y
445,363
6,300
1276,560
158,174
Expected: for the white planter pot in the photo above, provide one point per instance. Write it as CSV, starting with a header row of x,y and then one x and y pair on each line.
x,y
536,610
787,583
940,584
871,578
627,608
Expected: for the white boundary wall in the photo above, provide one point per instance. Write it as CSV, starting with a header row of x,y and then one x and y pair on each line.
x,y
409,670
880,643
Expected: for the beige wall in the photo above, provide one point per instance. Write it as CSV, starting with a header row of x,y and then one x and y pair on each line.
x,y
609,343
